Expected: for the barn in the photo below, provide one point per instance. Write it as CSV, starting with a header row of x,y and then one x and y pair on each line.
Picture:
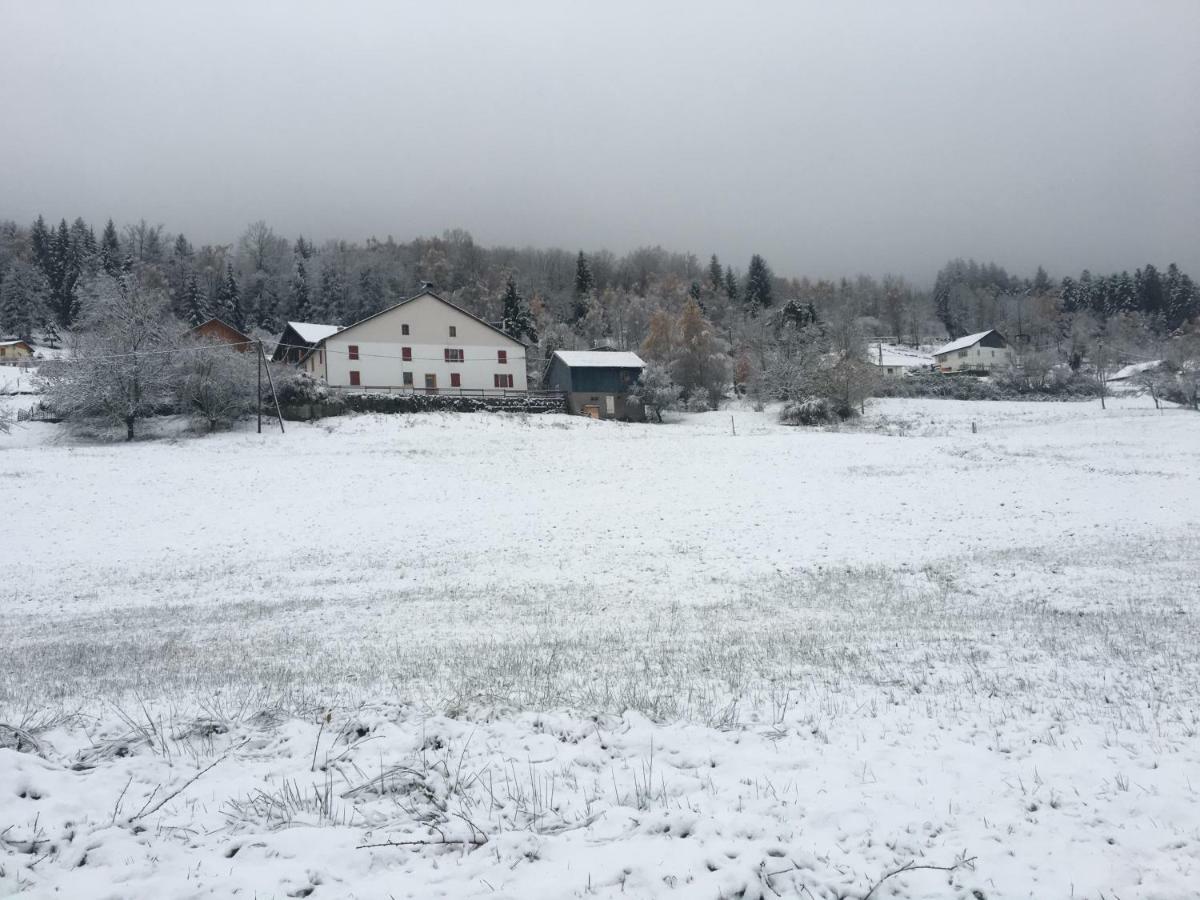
x,y
597,382
300,337
215,330
14,352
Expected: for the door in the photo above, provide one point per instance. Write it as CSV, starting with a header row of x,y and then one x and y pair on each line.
x,y
431,384
592,410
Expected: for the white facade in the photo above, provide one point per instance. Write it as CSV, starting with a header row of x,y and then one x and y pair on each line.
x,y
971,353
423,344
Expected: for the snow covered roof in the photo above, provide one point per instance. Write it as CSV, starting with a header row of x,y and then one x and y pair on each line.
x,y
600,359
889,355
1135,369
13,343
311,333
963,343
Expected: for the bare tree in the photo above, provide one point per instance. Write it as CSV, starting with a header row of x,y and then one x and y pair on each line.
x,y
214,383
120,367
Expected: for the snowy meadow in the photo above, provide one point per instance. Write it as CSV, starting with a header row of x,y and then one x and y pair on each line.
x,y
947,652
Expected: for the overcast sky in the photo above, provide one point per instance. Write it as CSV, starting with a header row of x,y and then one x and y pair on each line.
x,y
831,137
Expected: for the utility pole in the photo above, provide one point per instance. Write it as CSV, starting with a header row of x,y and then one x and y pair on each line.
x,y
260,359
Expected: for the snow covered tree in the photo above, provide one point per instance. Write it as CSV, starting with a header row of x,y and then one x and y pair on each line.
x,y
214,384
229,300
759,288
516,318
332,291
655,390
63,276
110,249
118,372
23,295
731,284
584,282
192,300
298,298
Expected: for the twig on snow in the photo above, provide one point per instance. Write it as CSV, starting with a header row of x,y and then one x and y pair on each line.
x,y
912,866
183,787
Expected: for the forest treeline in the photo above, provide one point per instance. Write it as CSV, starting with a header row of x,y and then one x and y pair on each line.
x,y
746,321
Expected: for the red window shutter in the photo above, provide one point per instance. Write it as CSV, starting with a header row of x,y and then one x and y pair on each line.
x,y
406,354
510,381
354,351
502,356
495,381
354,380
455,380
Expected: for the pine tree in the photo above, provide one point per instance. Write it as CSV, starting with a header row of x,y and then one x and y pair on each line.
x,y
1041,283
715,275
516,320
583,276
759,291
192,301
298,298
332,292
229,300
22,300
63,276
1150,291
731,284
40,241
110,250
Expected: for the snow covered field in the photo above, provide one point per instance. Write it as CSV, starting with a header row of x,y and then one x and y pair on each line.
x,y
549,657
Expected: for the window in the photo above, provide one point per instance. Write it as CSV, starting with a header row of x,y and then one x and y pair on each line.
x,y
3,351
406,354
962,354
502,357
431,383
453,331
455,380
408,379
453,354
502,381
354,380
353,351
404,329
321,357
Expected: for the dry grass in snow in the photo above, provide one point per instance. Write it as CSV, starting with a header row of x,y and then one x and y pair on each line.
x,y
547,657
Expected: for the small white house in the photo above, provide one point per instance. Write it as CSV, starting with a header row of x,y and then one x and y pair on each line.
x,y
894,362
424,344
987,351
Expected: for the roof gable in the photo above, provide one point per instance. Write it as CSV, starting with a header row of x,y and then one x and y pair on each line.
x,y
969,340
311,332
428,293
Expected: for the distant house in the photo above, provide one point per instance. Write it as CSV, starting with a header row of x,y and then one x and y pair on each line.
x,y
597,382
423,344
216,330
893,361
14,351
300,337
987,351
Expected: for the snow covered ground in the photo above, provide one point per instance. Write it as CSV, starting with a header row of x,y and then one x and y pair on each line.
x,y
550,657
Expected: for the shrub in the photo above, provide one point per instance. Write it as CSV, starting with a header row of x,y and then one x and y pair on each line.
x,y
816,411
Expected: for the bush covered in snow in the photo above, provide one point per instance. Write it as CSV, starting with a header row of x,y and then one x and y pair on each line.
x,y
816,411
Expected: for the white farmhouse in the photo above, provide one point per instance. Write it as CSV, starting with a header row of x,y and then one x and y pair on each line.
x,y
987,351
423,344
